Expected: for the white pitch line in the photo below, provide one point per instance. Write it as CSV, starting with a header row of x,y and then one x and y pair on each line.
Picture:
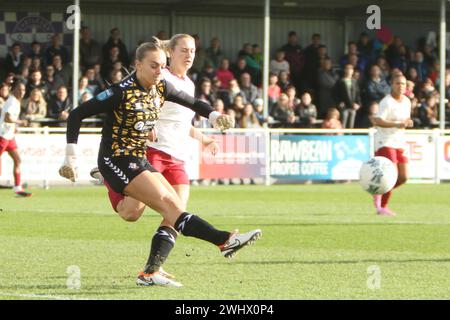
x,y
36,296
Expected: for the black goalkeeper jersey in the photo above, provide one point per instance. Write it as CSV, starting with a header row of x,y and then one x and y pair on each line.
x,y
131,112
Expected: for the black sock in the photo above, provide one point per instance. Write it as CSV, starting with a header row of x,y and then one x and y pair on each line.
x,y
193,226
162,243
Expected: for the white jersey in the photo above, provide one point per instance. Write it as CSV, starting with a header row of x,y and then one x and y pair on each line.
x,y
392,110
8,129
175,121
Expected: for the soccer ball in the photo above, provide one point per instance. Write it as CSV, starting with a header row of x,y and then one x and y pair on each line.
x,y
378,175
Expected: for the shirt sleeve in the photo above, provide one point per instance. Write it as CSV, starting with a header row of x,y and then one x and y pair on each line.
x,y
383,109
105,101
181,97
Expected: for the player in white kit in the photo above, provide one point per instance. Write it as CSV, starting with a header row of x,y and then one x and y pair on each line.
x,y
394,115
9,119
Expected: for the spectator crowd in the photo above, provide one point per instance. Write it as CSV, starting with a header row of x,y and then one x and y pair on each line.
x,y
307,88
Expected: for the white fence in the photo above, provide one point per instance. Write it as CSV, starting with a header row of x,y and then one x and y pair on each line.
x,y
292,154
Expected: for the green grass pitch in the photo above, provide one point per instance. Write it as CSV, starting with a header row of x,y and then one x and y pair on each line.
x,y
319,242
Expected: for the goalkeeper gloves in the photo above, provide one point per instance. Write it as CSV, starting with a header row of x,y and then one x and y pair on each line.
x,y
69,168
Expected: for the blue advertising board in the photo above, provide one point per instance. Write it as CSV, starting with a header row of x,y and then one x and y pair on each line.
x,y
318,157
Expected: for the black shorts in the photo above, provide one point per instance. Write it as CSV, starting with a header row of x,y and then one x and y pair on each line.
x,y
120,171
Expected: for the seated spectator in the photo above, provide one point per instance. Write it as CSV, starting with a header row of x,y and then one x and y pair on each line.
x,y
274,91
219,106
409,92
52,82
295,57
98,76
57,49
23,75
248,118
332,121
26,63
348,98
427,88
365,47
250,91
415,113
283,81
279,63
241,67
36,82
238,106
214,53
283,113
90,50
420,65
61,70
36,64
116,76
231,93
258,107
84,90
326,81
34,108
93,84
306,111
14,59
413,76
208,72
203,91
115,41
232,114
376,88
384,67
199,60
366,120
60,106
428,112
257,55
224,74
292,95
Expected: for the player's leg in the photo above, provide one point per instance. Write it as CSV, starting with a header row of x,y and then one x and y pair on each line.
x,y
391,154
14,154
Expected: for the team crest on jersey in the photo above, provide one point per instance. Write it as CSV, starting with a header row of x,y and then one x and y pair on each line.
x,y
133,166
104,95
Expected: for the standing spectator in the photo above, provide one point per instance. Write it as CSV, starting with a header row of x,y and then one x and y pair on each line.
x,y
214,53
348,97
365,47
208,72
108,62
250,91
274,91
312,62
36,53
420,65
331,120
279,63
294,56
393,52
258,107
384,67
353,57
241,67
291,92
283,113
23,75
199,60
61,70
52,82
115,41
254,69
376,88
326,81
37,83
90,50
306,111
57,49
34,108
60,106
14,59
238,106
224,74
257,55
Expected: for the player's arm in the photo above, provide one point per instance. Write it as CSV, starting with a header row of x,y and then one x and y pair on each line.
x,y
9,118
218,120
206,141
104,102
